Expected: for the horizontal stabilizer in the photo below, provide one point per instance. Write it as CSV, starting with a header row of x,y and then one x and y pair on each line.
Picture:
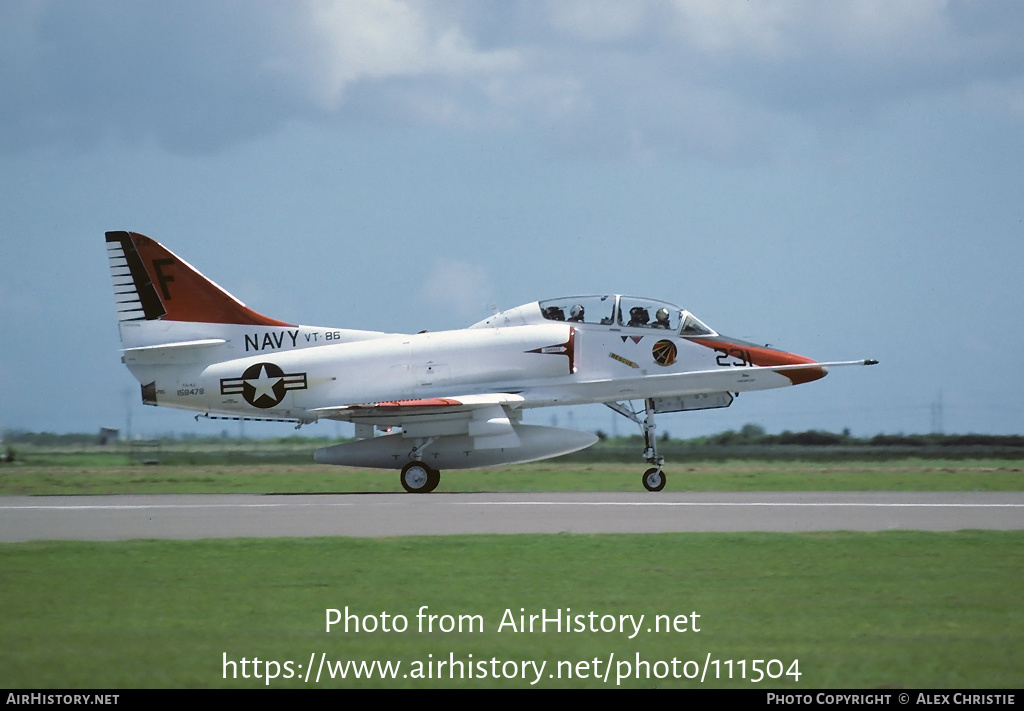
x,y
168,353
180,344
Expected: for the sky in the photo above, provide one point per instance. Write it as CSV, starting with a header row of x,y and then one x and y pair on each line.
x,y
841,180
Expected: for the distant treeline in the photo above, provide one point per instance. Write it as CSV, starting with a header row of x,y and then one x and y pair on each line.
x,y
749,435
48,439
754,435
79,439
752,442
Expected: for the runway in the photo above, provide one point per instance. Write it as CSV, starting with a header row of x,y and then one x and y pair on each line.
x,y
107,518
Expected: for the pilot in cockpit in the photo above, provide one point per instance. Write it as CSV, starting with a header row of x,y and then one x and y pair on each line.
x,y
554,313
639,316
576,313
661,319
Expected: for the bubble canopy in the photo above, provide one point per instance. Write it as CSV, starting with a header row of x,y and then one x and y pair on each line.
x,y
613,311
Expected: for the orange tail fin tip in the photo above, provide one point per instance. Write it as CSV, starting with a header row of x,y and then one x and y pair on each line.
x,y
151,282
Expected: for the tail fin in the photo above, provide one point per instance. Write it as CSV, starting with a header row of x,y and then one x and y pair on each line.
x,y
151,282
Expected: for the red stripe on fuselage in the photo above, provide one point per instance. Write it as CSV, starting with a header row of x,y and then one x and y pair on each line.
x,y
424,402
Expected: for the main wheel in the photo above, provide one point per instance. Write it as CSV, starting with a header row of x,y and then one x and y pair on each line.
x,y
654,479
433,478
418,478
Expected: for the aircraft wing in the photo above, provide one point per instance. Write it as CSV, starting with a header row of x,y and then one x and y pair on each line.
x,y
723,379
482,417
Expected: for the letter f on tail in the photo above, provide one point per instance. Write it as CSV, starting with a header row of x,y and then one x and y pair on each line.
x,y
151,282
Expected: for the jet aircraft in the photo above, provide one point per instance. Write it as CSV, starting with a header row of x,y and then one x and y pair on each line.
x,y
429,401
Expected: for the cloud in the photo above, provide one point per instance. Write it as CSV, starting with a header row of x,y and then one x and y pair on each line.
x,y
458,287
197,76
357,41
680,76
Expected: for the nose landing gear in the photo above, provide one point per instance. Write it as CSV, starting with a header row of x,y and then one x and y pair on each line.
x,y
654,478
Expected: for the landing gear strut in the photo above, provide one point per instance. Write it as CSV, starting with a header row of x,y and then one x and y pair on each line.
x,y
418,478
654,478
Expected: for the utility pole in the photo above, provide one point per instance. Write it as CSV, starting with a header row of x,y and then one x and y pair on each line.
x,y
937,425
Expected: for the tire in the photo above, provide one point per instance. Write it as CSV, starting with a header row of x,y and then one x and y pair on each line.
x,y
417,478
433,479
654,479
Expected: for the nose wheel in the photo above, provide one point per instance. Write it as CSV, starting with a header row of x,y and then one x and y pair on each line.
x,y
654,479
418,478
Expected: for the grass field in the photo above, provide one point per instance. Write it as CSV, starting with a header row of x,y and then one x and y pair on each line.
x,y
893,610
91,477
855,610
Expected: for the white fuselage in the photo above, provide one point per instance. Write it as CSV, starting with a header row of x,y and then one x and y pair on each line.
x,y
292,372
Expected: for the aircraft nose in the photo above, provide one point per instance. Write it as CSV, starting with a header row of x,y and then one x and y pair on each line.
x,y
806,375
769,357
737,352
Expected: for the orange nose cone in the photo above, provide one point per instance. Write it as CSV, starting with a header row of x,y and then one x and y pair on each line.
x,y
768,357
805,375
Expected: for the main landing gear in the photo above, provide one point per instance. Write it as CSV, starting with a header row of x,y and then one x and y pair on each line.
x,y
418,478
654,478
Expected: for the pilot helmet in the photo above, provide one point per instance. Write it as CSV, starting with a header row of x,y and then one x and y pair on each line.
x,y
662,315
576,312
639,314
